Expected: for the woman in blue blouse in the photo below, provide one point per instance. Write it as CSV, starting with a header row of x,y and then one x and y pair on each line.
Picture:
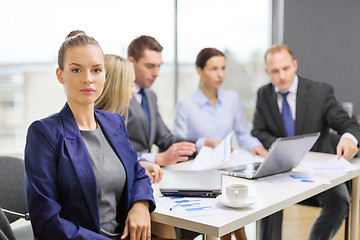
x,y
82,176
211,112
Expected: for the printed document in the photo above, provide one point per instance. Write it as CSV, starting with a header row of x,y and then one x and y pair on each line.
x,y
294,177
211,158
190,207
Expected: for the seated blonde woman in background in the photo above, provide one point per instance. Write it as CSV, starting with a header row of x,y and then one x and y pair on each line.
x,y
116,97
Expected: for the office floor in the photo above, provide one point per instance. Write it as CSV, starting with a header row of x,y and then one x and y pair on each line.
x,y
296,224
298,220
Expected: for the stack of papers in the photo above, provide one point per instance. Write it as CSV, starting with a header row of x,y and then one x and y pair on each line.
x,y
211,158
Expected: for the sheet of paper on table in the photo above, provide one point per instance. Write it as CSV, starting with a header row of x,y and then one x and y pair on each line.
x,y
294,177
220,157
241,156
331,165
190,207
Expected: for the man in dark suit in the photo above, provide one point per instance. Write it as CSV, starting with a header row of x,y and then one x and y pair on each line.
x,y
145,125
291,105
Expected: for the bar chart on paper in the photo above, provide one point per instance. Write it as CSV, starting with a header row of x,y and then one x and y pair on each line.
x,y
188,206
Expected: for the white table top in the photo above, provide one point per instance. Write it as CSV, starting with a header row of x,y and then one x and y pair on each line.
x,y
270,198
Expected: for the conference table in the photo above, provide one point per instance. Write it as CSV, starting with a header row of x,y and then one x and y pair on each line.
x,y
270,198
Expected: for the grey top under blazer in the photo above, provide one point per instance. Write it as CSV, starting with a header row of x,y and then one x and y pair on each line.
x,y
137,127
317,110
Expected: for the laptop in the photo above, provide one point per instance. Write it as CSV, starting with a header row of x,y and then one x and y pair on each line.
x,y
191,183
284,154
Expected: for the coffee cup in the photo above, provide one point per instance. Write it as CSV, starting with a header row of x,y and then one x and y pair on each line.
x,y
237,192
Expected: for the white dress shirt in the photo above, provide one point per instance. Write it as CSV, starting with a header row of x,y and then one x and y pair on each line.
x,y
291,97
150,157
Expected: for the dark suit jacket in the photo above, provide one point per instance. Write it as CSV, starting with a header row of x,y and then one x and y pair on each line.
x,y
60,181
316,111
137,127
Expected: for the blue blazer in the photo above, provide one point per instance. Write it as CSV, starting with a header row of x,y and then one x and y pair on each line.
x,y
60,181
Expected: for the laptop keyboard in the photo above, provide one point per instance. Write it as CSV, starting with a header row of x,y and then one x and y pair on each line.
x,y
248,168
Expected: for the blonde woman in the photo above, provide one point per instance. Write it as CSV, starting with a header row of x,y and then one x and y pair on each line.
x,y
116,97
119,77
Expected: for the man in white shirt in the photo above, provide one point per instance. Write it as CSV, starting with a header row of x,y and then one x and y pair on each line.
x,y
291,105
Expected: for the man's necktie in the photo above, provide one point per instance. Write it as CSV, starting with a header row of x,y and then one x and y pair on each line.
x,y
144,105
289,122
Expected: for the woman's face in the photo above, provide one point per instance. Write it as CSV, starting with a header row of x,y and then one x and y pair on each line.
x,y
83,75
213,73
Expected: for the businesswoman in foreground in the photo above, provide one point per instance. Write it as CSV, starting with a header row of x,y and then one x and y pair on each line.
x,y
83,179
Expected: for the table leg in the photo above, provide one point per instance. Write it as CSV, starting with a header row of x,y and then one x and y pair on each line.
x,y
208,237
354,221
257,230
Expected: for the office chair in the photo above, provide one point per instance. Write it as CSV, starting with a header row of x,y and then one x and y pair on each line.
x,y
6,232
335,138
349,108
12,194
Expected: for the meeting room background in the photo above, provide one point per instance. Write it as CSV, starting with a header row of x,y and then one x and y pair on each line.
x,y
323,35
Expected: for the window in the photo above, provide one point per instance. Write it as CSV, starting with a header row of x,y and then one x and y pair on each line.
x,y
240,29
35,29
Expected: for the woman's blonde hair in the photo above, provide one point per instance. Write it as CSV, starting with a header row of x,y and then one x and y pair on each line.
x,y
119,76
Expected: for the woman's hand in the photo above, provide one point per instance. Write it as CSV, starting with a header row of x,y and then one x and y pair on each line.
x,y
137,223
153,170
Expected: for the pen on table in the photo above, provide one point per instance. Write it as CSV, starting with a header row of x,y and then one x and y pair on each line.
x,y
177,204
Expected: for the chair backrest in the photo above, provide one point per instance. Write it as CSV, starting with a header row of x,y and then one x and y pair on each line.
x,y
12,190
348,107
6,232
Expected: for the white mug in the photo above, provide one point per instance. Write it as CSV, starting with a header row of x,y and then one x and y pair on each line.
x,y
237,192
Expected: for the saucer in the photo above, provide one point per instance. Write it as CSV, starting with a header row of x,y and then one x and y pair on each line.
x,y
245,203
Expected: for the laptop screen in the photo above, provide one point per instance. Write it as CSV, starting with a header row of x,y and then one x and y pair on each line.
x,y
285,154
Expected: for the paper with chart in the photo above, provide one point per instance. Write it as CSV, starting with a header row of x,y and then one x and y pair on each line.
x,y
211,158
294,177
190,206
